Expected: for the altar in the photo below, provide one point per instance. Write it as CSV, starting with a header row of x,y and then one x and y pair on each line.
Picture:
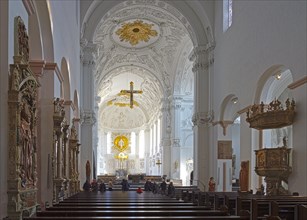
x,y
106,178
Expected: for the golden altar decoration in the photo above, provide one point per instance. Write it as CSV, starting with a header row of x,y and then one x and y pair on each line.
x,y
275,164
134,32
274,115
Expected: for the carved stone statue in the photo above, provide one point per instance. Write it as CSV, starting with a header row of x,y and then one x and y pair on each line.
x,y
244,173
88,170
211,185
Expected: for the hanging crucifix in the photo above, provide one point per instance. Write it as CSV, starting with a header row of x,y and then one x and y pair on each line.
x,y
131,91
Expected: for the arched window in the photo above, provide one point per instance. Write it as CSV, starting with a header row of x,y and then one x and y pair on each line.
x,y
109,143
133,143
227,14
142,144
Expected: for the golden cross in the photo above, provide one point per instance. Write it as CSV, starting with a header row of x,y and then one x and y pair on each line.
x,y
131,91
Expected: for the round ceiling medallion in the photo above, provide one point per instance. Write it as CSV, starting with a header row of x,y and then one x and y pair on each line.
x,y
121,143
136,33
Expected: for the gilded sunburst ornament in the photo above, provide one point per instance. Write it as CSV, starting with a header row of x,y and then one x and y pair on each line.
x,y
134,32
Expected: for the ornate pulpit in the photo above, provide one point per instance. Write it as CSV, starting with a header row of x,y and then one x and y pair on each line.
x,y
275,165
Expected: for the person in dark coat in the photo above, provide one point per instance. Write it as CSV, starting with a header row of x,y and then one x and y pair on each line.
x,y
163,187
102,187
87,186
171,190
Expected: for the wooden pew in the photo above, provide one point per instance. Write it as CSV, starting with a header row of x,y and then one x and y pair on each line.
x,y
140,217
263,206
128,205
302,212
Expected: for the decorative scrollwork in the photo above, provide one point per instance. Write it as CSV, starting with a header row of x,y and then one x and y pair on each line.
x,y
273,115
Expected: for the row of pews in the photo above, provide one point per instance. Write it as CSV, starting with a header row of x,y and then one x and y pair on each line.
x,y
253,206
129,205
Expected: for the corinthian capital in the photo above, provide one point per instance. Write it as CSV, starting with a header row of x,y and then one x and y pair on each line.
x,y
88,117
88,52
203,118
202,56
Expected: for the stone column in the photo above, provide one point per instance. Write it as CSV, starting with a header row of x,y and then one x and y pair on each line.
x,y
203,115
88,118
165,138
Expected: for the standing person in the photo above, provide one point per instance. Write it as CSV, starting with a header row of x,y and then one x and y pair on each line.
x,y
163,187
125,185
147,185
88,170
154,187
102,187
171,190
94,185
211,185
110,185
87,186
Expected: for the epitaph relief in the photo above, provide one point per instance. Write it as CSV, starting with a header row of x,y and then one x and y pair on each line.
x,y
22,160
224,150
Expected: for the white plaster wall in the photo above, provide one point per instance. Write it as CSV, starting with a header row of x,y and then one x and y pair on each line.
x,y
235,128
263,33
220,162
66,39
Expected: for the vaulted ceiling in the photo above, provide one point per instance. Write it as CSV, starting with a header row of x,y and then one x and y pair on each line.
x,y
145,42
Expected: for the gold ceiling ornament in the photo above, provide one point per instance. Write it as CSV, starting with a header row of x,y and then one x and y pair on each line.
x,y
121,143
131,92
134,32
273,115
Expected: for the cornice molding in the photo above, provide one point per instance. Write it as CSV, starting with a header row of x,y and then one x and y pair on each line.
x,y
37,66
54,67
224,125
298,83
29,5
71,104
243,110
202,57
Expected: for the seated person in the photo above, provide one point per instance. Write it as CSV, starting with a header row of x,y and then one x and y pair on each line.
x,y
110,185
102,187
94,185
87,186
139,190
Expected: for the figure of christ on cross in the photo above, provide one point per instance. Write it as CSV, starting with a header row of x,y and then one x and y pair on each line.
x,y
131,91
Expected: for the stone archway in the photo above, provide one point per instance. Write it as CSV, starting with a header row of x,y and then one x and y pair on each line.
x,y
191,17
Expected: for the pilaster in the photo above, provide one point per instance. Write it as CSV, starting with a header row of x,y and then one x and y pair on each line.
x,y
202,56
166,137
88,103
